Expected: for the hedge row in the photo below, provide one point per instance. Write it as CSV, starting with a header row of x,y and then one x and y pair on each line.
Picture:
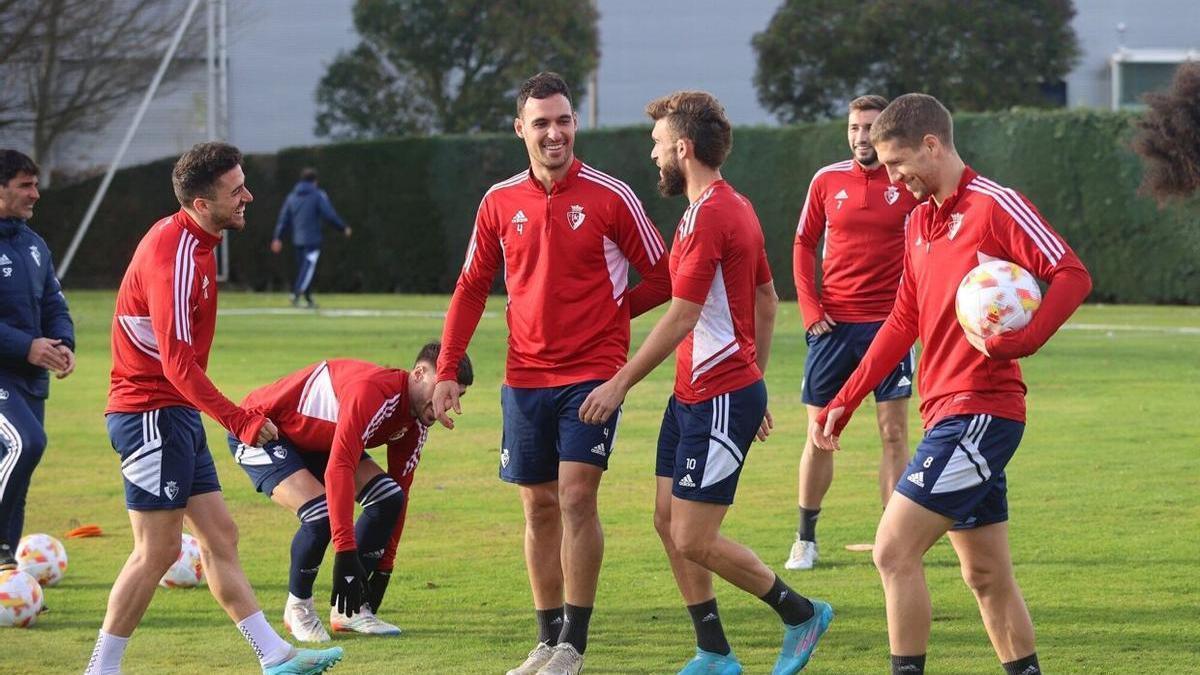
x,y
411,201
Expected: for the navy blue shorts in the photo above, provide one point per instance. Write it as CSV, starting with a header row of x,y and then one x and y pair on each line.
x,y
958,469
832,357
164,457
542,428
702,446
269,465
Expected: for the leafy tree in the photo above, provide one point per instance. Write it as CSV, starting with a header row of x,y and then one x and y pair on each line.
x,y
450,65
815,55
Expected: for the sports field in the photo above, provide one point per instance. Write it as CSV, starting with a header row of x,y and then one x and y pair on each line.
x,y
1104,494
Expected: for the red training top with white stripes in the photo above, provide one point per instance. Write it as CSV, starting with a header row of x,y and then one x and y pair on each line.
x,y
861,214
718,260
566,257
163,328
342,406
981,221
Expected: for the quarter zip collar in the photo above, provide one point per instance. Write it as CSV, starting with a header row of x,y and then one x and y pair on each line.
x,y
207,239
938,222
559,185
10,226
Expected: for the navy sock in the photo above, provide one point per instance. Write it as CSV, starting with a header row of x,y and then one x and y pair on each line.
x,y
308,546
807,527
549,625
710,635
382,500
792,607
575,626
1026,666
908,665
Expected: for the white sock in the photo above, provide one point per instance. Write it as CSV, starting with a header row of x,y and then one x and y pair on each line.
x,y
106,655
270,649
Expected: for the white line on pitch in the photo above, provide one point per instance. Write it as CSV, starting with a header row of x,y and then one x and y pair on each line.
x,y
1181,330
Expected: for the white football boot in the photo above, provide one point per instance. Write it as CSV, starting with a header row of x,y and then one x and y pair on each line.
x,y
564,660
364,622
537,658
804,555
302,621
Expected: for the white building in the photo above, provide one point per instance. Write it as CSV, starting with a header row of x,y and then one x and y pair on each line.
x,y
278,50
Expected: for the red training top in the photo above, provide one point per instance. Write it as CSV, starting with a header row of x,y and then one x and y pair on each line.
x,y
163,328
981,221
566,257
862,215
718,261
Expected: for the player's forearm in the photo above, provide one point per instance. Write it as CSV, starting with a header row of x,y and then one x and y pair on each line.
x,y
890,344
804,263
653,290
671,329
1069,287
191,381
462,318
766,306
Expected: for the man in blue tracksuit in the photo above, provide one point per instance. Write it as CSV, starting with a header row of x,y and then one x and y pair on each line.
x,y
36,335
303,210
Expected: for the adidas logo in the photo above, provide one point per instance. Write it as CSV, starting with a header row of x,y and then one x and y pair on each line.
x,y
841,195
917,479
904,381
709,617
687,481
598,450
520,217
4,259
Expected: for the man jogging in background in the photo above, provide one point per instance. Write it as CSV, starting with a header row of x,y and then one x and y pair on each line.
x,y
302,213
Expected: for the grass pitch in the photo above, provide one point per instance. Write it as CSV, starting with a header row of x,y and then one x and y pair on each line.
x,y
1104,496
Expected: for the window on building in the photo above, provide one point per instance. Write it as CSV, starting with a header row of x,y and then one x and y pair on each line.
x,y
1137,72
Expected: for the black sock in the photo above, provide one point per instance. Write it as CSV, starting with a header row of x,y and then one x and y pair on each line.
x,y
575,626
1026,666
792,607
710,636
807,529
549,624
308,547
908,665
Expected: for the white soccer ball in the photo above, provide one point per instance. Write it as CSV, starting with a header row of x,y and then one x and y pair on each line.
x,y
20,599
43,558
996,297
186,571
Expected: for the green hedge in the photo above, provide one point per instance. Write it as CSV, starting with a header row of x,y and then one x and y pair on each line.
x,y
411,201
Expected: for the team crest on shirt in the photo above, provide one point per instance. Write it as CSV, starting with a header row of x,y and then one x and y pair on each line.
x,y
398,435
956,221
891,194
575,216
36,255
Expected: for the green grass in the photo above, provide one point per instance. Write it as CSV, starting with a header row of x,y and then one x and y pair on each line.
x,y
1104,495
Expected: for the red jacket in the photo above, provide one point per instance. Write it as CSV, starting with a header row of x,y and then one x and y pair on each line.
x,y
981,221
566,256
861,215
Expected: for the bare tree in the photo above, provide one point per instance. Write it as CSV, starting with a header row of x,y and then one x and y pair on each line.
x,y
68,65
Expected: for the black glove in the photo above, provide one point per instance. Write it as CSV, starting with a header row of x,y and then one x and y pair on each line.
x,y
349,582
376,586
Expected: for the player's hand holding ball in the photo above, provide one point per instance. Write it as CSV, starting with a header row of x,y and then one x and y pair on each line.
x,y
995,297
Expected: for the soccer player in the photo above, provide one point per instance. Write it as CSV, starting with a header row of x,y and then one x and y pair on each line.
x,y
566,235
301,214
861,215
166,314
328,414
36,335
719,323
972,394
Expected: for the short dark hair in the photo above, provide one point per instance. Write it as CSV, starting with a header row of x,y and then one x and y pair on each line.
x,y
699,117
13,163
543,85
909,118
430,353
1168,138
308,174
196,173
868,102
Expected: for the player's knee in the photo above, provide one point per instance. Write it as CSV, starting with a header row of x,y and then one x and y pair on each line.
x,y
577,502
541,506
662,524
157,555
893,559
984,579
220,542
893,435
695,549
383,498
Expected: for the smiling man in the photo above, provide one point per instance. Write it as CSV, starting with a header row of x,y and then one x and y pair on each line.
x,y
328,415
36,336
566,235
860,214
162,331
